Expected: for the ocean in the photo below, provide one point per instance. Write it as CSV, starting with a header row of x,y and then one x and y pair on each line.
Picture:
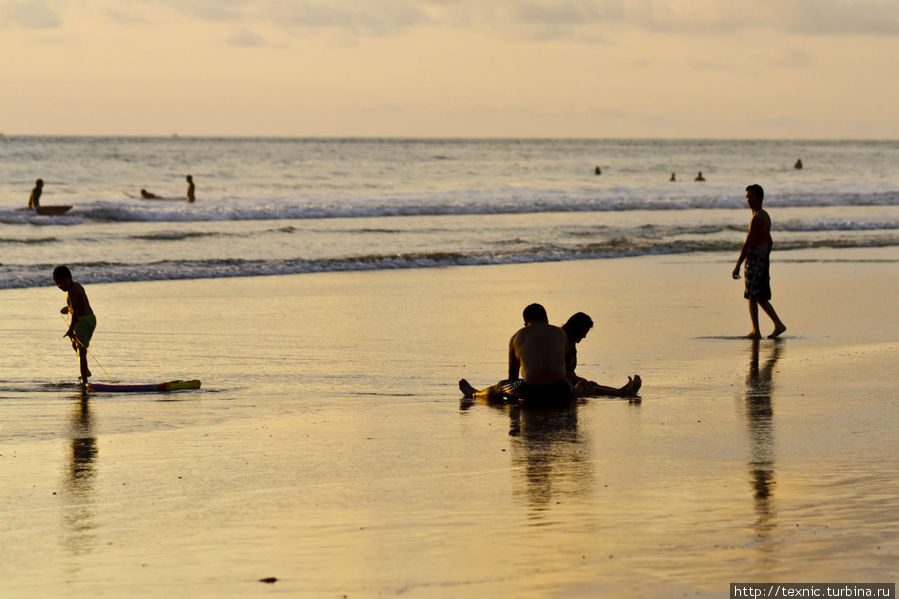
x,y
271,206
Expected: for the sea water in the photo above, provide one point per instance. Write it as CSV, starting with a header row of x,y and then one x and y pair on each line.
x,y
279,206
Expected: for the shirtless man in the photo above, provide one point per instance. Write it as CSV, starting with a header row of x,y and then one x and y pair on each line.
x,y
756,252
34,200
576,329
537,350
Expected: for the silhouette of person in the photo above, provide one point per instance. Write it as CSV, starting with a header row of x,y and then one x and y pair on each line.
x,y
537,352
34,200
190,189
147,195
699,177
756,252
798,165
673,178
598,171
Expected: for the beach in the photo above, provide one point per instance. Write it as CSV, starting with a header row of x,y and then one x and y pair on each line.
x,y
328,447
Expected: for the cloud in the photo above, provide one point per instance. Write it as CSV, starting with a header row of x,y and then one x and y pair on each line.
x,y
244,38
830,17
577,20
29,14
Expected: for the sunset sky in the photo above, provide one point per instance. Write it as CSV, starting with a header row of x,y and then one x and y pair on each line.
x,y
459,68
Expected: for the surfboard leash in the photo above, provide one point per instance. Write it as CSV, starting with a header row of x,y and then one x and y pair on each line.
x,y
74,336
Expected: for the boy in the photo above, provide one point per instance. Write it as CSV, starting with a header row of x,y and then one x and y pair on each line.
x,y
83,320
756,251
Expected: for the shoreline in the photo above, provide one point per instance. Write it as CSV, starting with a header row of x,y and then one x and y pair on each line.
x,y
328,446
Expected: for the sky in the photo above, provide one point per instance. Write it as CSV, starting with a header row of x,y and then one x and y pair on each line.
x,y
810,69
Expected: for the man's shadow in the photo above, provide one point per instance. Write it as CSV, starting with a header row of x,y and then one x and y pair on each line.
x,y
760,422
79,483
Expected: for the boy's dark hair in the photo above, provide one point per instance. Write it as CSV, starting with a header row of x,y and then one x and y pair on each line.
x,y
61,272
756,190
535,312
578,323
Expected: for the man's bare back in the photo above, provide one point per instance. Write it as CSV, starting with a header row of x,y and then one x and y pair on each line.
x,y
539,350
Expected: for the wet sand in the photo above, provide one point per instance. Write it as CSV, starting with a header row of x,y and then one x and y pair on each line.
x,y
328,447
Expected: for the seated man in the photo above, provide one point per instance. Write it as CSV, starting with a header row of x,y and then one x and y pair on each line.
x,y
538,351
576,329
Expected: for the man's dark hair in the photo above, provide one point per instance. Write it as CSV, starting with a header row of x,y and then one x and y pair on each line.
x,y
579,323
756,190
535,312
61,272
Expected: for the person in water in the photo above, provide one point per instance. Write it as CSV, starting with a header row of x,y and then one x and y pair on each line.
x,y
34,200
190,190
576,329
83,323
673,178
798,165
756,252
699,177
147,195
537,352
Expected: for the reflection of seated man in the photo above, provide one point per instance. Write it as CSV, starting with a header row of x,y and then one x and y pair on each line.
x,y
576,329
147,195
34,200
538,350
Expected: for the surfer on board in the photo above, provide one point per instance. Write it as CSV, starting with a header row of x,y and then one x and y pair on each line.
x,y
34,200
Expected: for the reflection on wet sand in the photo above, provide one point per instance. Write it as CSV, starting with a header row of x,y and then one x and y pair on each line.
x,y
78,516
760,420
551,453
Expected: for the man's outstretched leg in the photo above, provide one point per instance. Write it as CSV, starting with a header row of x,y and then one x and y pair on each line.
x,y
489,393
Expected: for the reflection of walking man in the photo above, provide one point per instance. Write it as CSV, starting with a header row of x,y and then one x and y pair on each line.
x,y
760,418
756,252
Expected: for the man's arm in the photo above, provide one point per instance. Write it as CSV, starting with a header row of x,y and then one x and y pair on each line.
x,y
514,362
744,251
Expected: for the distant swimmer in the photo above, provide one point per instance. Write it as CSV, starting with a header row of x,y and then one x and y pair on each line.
x,y
673,178
798,165
699,177
34,200
190,189
147,195
598,171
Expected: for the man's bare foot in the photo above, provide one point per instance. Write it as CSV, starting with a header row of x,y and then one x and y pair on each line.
x,y
633,386
754,335
777,331
466,388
